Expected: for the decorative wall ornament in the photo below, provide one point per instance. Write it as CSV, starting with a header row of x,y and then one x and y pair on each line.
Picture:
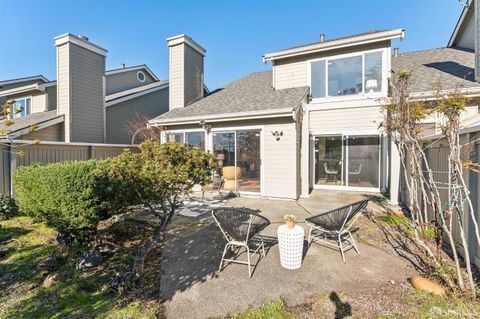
x,y
277,135
205,126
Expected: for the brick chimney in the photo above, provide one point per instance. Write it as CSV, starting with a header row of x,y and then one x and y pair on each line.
x,y
185,71
81,88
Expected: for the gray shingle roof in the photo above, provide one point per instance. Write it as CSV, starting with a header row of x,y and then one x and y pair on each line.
x,y
249,94
134,90
451,66
29,120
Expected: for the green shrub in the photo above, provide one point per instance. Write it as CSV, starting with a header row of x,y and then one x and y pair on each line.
x,y
8,207
71,196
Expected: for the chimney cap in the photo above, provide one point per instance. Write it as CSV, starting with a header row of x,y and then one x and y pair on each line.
x,y
395,52
322,37
122,65
81,41
183,38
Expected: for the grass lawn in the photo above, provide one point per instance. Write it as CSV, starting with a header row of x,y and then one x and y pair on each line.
x,y
29,253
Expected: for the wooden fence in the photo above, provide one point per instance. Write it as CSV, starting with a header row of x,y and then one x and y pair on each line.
x,y
437,156
49,152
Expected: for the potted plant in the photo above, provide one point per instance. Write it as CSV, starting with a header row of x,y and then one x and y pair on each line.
x,y
290,220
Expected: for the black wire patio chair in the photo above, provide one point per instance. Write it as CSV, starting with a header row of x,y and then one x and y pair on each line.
x,y
335,225
241,228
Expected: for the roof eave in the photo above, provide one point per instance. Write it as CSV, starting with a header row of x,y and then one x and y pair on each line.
x,y
459,24
41,125
135,95
224,117
134,68
336,44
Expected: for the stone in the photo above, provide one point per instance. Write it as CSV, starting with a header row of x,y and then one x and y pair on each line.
x,y
50,281
89,259
427,285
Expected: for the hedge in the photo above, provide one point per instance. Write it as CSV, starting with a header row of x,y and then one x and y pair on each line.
x,y
72,197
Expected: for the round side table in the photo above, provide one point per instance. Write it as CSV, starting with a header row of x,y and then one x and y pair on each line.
x,y
290,242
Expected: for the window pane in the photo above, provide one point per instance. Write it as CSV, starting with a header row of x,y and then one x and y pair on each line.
x,y
175,137
363,161
18,108
318,79
373,72
345,76
195,139
328,160
248,160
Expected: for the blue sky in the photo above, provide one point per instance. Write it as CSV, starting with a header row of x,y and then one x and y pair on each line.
x,y
235,33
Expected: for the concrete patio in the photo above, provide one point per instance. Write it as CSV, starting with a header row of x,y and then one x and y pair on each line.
x,y
192,287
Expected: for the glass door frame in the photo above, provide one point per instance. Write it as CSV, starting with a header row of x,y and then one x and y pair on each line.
x,y
345,163
262,151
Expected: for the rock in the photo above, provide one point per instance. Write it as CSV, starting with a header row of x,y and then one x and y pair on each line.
x,y
398,213
424,284
89,259
435,310
392,282
50,263
50,281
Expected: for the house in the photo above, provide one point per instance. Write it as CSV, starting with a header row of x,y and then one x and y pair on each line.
x,y
313,121
85,103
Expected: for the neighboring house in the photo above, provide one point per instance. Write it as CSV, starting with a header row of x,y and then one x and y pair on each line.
x,y
313,121
85,103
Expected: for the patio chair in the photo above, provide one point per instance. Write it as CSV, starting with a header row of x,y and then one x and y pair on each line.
x,y
330,172
335,225
239,227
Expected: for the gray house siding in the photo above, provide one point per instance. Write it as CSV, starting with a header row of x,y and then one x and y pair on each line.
x,y
466,35
51,133
81,93
87,74
119,114
125,80
193,73
52,97
176,79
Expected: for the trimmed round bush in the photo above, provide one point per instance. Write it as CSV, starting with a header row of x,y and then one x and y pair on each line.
x,y
72,197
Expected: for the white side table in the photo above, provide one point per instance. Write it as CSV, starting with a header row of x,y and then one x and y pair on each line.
x,y
290,242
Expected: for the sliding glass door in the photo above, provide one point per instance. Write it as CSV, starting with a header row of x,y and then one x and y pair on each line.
x,y
348,161
238,159
329,160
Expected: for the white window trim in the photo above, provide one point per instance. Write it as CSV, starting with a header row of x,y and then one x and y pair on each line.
x,y
360,96
144,76
22,98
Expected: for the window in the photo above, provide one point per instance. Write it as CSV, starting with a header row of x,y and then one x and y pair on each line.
x,y
175,137
21,107
352,75
141,76
195,139
192,139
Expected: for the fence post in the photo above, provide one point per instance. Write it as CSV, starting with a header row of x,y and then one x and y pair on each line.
x,y
90,151
13,165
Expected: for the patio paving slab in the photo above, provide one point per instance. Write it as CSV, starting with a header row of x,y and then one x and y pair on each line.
x,y
192,287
